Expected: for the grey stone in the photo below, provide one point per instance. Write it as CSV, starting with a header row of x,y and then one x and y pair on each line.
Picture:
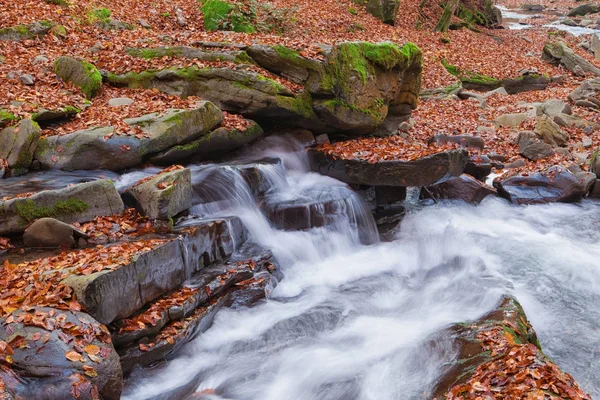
x,y
77,203
587,89
532,148
18,144
120,101
586,103
560,53
163,196
100,148
50,232
510,120
144,24
586,142
27,79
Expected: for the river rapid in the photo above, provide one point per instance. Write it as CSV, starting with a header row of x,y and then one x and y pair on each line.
x,y
356,321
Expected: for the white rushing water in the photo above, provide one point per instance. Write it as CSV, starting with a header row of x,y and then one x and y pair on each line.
x,y
351,321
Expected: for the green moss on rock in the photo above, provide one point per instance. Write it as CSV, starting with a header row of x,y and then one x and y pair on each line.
x,y
221,15
81,73
29,211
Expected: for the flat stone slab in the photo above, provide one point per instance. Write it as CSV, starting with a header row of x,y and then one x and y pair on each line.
x,y
78,203
113,294
425,171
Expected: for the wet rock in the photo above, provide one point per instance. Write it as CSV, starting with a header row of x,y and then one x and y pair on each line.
x,y
532,148
464,187
18,144
101,148
510,120
322,139
115,294
79,72
550,132
466,141
587,180
555,184
492,344
164,195
425,171
584,9
49,232
52,348
78,203
560,53
480,166
210,146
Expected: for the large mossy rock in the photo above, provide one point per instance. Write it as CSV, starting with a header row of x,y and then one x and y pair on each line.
x,y
164,195
556,184
353,90
559,53
18,144
499,355
584,9
425,171
78,203
79,72
25,32
101,148
57,353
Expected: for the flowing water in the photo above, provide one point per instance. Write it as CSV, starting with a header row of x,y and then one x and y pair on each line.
x,y
355,321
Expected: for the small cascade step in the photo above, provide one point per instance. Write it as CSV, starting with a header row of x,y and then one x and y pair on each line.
x,y
177,317
224,182
161,266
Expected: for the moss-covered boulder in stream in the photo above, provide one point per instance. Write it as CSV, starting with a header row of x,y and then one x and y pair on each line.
x,y
353,90
500,356
79,72
103,148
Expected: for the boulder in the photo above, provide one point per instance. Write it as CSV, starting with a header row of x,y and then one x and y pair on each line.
x,y
584,9
556,184
18,144
532,148
384,10
79,72
466,141
550,132
353,90
425,171
77,203
49,232
464,187
525,83
559,53
589,88
554,107
532,7
25,32
57,353
48,115
164,195
510,120
215,144
487,350
236,56
155,269
587,180
101,148
480,166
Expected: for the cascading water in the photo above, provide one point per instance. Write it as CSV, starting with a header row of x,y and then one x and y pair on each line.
x,y
352,321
